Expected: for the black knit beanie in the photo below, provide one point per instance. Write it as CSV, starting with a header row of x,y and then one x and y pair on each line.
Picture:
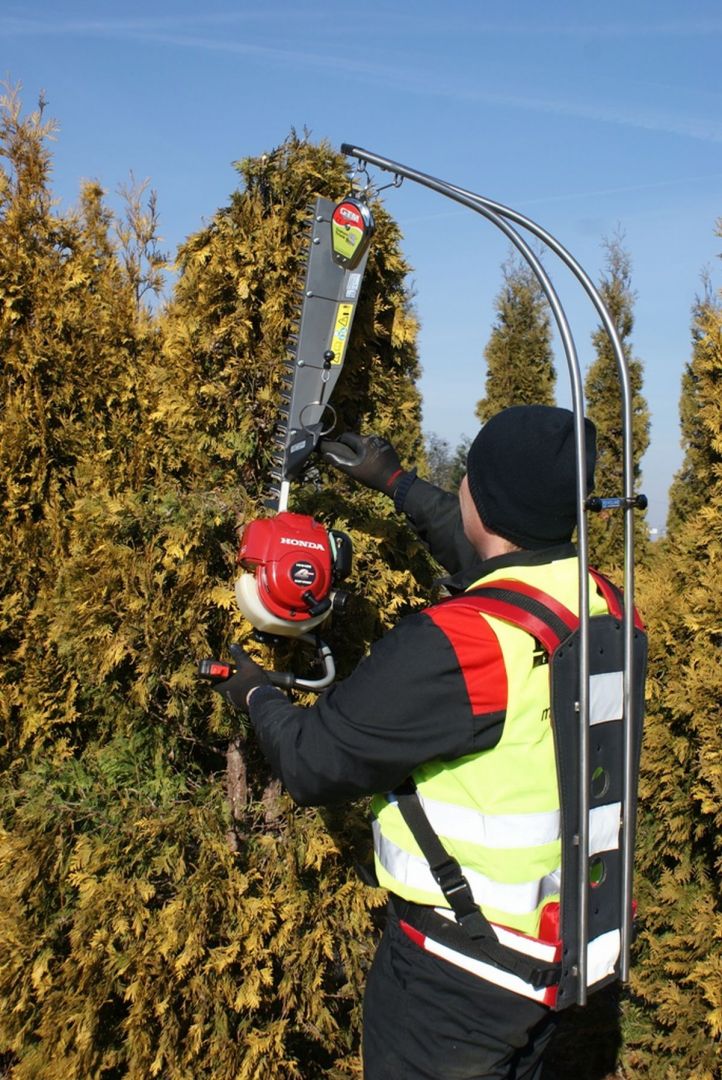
x,y
521,470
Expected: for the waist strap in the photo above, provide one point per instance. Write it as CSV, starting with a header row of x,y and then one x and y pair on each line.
x,y
476,931
538,973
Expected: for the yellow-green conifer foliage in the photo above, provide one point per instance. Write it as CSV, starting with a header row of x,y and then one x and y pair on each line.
x,y
519,358
689,487
674,1021
602,389
71,343
164,910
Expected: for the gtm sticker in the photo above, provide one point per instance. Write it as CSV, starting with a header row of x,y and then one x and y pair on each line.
x,y
352,226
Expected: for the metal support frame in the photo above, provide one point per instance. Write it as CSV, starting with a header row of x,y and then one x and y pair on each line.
x,y
504,218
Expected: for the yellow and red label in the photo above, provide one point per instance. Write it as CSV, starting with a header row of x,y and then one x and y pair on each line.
x,y
341,328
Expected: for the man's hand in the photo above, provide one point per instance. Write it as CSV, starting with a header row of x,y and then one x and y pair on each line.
x,y
248,676
369,459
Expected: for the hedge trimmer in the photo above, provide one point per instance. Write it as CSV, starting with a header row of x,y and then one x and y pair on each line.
x,y
292,564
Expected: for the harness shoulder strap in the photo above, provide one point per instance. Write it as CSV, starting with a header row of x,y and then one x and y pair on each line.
x,y
614,597
522,605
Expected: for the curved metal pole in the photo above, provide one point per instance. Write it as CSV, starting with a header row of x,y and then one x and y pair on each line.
x,y
479,205
498,211
628,490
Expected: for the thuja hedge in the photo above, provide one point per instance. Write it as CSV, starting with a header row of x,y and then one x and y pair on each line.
x,y
164,909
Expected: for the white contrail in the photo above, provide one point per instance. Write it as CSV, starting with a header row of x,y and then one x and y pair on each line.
x,y
178,32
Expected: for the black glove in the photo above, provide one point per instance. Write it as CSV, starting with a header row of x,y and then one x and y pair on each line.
x,y
369,459
248,676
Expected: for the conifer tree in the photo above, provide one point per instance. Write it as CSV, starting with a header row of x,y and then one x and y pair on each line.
x,y
164,910
689,487
606,530
445,467
72,347
674,1021
519,358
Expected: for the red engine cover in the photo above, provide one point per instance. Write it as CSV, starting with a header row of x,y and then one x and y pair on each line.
x,y
291,556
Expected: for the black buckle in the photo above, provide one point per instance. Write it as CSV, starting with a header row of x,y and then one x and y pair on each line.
x,y
542,979
450,879
476,926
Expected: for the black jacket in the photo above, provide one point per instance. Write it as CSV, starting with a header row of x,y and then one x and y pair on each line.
x,y
406,703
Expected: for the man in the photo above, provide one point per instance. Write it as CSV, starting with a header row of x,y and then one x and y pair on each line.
x,y
455,705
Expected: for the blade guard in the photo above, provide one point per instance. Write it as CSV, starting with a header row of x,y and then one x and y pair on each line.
x,y
289,563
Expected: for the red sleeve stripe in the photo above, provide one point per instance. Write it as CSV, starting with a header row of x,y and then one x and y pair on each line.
x,y
477,652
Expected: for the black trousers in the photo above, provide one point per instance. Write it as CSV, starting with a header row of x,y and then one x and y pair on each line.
x,y
425,1019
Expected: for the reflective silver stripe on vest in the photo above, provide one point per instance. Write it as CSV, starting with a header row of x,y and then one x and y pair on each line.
x,y
490,830
413,870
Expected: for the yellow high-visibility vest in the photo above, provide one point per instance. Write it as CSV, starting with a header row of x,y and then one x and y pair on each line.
x,y
497,811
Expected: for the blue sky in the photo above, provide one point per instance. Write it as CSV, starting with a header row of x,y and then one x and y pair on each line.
x,y
589,119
